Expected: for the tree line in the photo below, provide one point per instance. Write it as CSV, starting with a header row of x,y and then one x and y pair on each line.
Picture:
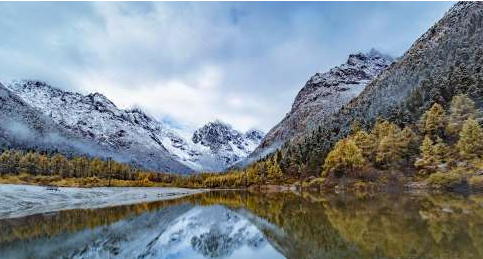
x,y
38,167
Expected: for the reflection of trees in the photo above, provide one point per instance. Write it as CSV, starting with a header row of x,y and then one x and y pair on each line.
x,y
304,229
383,226
69,221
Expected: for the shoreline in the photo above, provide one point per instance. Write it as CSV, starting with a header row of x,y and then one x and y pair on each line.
x,y
24,200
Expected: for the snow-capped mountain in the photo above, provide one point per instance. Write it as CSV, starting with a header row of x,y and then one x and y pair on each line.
x,y
323,95
229,145
24,127
131,133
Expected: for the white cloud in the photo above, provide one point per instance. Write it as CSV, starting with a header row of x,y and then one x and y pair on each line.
x,y
191,62
192,101
132,49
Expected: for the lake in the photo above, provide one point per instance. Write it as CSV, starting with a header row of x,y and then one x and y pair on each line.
x,y
238,225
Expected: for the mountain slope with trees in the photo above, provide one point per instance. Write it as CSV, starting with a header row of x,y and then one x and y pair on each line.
x,y
323,95
444,62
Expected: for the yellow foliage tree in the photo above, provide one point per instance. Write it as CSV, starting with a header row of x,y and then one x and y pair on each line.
x,y
388,151
394,146
408,141
461,109
344,159
366,143
274,171
384,128
470,143
434,121
431,155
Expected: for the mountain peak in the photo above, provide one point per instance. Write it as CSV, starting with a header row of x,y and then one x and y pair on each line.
x,y
225,142
374,53
29,84
100,99
215,134
254,134
220,123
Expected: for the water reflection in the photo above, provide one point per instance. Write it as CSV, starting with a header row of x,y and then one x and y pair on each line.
x,y
241,225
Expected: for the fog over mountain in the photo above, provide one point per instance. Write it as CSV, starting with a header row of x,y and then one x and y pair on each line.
x,y
131,134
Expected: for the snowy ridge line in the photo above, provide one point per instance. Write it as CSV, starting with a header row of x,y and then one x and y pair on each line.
x,y
139,137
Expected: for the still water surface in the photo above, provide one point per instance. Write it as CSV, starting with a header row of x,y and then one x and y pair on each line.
x,y
236,225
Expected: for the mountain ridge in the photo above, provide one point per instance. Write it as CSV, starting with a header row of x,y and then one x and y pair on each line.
x,y
132,132
444,62
321,96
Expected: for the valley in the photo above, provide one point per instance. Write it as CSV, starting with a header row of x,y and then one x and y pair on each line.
x,y
378,155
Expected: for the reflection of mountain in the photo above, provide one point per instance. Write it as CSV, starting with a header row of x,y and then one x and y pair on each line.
x,y
174,230
212,232
127,238
267,226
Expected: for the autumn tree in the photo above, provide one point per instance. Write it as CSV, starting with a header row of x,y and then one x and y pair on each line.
x,y
43,164
433,154
388,152
393,145
274,171
409,144
461,109
384,128
470,143
254,173
344,159
10,161
433,122
366,142
28,163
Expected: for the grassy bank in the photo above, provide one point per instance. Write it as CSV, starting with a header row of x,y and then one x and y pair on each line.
x,y
76,182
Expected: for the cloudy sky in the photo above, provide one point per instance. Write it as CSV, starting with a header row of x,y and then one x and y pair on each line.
x,y
190,63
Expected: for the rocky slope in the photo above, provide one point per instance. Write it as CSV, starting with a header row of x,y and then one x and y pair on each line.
x,y
445,61
131,133
323,95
